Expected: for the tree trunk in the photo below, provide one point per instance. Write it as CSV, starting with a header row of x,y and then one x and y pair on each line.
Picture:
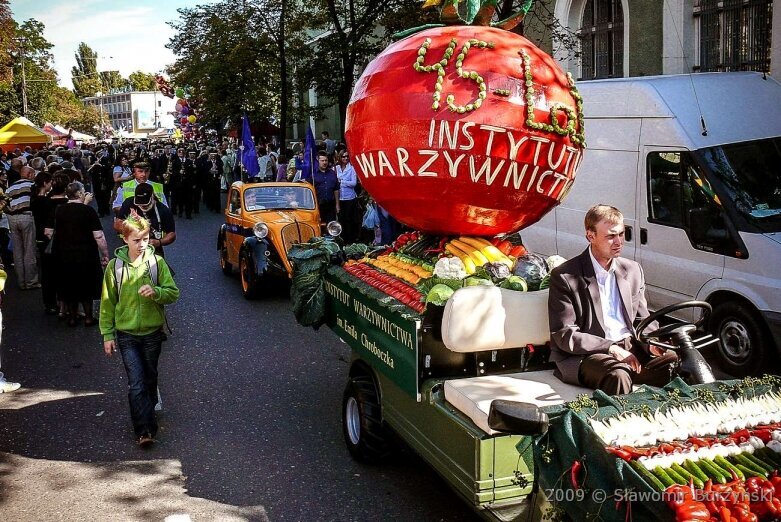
x,y
345,89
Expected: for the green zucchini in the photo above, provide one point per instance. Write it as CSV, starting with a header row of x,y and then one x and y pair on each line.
x,y
695,470
770,456
676,477
729,466
663,477
750,472
759,462
686,474
712,471
647,475
741,459
724,472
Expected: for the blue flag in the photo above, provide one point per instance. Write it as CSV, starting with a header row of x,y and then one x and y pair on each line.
x,y
310,156
249,158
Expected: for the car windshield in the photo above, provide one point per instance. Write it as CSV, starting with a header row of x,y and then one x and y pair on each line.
x,y
276,198
751,175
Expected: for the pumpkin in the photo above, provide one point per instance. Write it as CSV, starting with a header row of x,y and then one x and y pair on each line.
x,y
465,130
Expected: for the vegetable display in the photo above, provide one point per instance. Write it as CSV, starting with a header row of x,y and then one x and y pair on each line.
x,y
714,462
436,266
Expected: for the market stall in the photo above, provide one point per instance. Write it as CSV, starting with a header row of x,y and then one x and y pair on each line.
x,y
58,137
76,135
21,132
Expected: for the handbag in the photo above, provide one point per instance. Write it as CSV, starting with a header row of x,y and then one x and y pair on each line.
x,y
370,218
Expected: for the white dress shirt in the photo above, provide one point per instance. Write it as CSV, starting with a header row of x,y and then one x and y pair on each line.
x,y
615,324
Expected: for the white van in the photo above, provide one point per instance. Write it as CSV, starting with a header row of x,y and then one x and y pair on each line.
x,y
694,163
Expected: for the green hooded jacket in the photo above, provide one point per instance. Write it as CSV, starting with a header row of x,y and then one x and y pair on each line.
x,y
130,312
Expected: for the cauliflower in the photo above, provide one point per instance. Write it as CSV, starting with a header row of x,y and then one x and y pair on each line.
x,y
450,268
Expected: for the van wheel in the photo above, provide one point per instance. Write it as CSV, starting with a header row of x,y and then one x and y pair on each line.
x,y
225,265
745,348
249,285
365,436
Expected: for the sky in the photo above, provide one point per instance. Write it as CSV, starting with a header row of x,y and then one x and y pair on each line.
x,y
127,35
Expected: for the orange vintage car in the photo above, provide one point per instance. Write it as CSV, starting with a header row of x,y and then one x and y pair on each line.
x,y
262,222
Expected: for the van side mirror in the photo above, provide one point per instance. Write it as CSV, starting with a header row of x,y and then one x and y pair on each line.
x,y
519,418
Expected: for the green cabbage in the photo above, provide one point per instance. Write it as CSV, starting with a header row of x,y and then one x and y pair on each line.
x,y
439,294
515,282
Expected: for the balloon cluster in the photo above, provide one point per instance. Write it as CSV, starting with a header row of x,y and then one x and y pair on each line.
x,y
185,116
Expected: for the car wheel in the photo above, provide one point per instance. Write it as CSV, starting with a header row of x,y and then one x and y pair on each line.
x,y
366,437
226,266
248,279
745,347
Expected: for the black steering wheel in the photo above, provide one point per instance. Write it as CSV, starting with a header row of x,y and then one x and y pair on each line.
x,y
675,330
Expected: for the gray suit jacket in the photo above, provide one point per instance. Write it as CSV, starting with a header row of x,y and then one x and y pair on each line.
x,y
575,310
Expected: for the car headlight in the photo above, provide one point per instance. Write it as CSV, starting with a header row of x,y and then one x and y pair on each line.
x,y
334,228
260,230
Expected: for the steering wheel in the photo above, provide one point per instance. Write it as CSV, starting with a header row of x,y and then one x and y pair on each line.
x,y
675,329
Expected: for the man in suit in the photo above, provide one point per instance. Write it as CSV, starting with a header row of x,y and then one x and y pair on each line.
x,y
594,300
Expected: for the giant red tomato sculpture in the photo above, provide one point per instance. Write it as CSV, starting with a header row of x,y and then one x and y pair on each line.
x,y
465,130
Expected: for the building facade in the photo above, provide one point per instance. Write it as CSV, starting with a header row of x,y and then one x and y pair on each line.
x,y
138,112
620,38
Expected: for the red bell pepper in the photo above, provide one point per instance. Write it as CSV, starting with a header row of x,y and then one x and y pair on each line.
x,y
619,452
692,510
698,442
518,251
763,435
505,247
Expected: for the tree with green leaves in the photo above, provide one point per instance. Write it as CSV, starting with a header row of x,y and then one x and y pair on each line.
x,y
235,56
72,113
33,53
7,43
141,81
112,81
351,33
86,81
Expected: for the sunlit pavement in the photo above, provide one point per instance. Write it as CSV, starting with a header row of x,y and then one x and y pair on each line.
x,y
251,427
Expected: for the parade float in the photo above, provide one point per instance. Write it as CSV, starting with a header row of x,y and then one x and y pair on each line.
x,y
466,134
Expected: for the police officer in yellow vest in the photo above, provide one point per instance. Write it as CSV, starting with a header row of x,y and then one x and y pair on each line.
x,y
128,188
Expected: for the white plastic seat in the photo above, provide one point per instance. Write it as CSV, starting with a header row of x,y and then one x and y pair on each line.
x,y
473,396
480,318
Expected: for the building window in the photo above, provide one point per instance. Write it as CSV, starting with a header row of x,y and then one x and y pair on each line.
x,y
602,40
734,35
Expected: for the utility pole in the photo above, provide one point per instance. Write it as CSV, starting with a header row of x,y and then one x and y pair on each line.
x,y
24,83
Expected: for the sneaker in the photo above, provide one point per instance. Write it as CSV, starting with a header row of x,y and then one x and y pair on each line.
x,y
146,440
7,386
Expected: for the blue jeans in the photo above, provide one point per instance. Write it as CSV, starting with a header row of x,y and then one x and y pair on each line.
x,y
140,354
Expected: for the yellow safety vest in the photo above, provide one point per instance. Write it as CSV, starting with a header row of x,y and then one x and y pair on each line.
x,y
129,189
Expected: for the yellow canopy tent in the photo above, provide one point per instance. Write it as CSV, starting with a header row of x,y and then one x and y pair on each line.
x,y
21,132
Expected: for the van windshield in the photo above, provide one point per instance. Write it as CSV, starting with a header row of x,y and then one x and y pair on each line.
x,y
751,175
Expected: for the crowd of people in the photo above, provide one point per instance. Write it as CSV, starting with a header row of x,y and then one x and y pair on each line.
x,y
51,202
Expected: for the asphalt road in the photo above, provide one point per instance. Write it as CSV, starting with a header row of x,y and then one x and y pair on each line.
x,y
251,426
